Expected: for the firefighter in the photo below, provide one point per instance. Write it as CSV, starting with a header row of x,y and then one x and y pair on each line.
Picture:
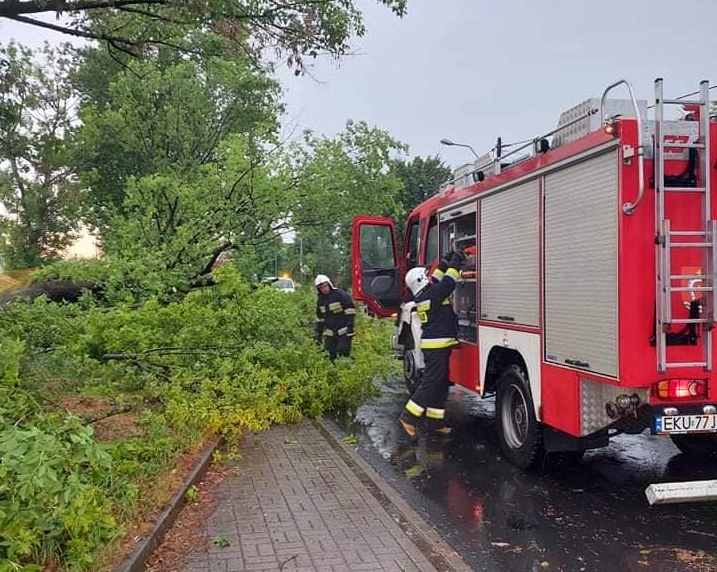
x,y
335,312
440,327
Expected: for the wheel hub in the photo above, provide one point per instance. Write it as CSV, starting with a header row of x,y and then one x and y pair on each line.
x,y
515,417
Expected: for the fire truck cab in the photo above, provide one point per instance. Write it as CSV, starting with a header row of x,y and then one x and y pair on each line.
x,y
586,302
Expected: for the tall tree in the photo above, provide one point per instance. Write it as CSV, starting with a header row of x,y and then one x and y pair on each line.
x,y
163,116
338,178
293,28
179,225
37,189
421,178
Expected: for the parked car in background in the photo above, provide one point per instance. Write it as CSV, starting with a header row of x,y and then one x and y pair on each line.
x,y
283,284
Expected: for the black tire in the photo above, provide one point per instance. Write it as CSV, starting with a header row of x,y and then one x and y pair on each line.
x,y
411,374
519,433
697,445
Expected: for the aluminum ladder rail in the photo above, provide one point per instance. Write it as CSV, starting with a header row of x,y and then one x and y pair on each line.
x,y
704,238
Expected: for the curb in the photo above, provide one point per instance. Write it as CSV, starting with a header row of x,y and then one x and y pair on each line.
x,y
438,552
135,562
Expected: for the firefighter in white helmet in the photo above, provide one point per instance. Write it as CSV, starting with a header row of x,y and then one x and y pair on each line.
x,y
335,312
440,327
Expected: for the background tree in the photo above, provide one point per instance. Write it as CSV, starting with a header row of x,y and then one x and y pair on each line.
x,y
163,115
421,178
290,28
37,189
337,178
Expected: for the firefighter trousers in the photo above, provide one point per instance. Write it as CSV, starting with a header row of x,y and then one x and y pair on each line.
x,y
430,397
337,346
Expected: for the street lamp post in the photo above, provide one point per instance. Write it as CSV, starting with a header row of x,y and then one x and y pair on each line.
x,y
450,143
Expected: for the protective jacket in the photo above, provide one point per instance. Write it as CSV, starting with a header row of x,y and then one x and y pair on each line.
x,y
433,305
335,313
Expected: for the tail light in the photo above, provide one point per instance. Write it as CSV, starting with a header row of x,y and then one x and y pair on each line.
x,y
680,388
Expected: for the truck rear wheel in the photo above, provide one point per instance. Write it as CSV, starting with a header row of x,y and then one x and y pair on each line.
x,y
696,445
519,432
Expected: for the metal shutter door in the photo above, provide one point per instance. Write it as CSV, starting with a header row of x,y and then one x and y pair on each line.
x,y
509,255
581,211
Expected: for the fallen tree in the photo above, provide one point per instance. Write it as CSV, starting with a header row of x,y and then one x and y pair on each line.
x,y
54,290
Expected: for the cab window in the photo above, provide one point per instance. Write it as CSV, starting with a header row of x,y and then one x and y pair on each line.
x,y
412,245
432,242
376,244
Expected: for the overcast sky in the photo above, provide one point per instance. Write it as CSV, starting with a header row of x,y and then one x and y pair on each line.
x,y
471,70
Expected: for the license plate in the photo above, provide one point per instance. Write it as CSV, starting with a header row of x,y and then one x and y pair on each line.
x,y
685,423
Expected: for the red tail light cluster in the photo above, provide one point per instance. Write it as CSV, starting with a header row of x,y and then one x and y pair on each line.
x,y
680,388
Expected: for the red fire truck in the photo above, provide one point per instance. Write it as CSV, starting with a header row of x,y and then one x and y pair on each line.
x,y
586,303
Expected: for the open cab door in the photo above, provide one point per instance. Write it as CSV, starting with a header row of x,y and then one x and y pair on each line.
x,y
376,273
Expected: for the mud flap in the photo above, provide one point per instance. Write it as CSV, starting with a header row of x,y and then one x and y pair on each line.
x,y
555,440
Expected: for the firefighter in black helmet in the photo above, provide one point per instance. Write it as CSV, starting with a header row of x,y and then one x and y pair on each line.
x,y
335,312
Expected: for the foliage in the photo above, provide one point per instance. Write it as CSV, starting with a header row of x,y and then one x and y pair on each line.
x,y
53,478
221,541
224,359
37,189
190,495
336,179
184,179
421,178
137,27
176,225
175,155
164,119
96,271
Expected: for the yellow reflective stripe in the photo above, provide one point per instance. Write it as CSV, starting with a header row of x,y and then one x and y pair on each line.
x,y
446,302
342,331
453,273
438,343
414,409
328,333
423,306
335,306
319,319
322,309
438,273
350,311
433,413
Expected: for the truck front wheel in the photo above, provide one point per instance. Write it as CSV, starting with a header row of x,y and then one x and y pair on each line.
x,y
519,432
696,445
411,374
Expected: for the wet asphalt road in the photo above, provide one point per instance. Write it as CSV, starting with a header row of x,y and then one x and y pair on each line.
x,y
593,517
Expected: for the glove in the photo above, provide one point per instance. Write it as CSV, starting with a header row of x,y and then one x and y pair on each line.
x,y
455,260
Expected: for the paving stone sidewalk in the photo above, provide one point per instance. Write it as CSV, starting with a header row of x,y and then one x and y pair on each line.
x,y
295,504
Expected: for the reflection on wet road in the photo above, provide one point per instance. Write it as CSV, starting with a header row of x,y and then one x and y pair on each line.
x,y
593,517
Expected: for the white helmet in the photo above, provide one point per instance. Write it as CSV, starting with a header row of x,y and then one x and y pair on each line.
x,y
416,279
322,279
